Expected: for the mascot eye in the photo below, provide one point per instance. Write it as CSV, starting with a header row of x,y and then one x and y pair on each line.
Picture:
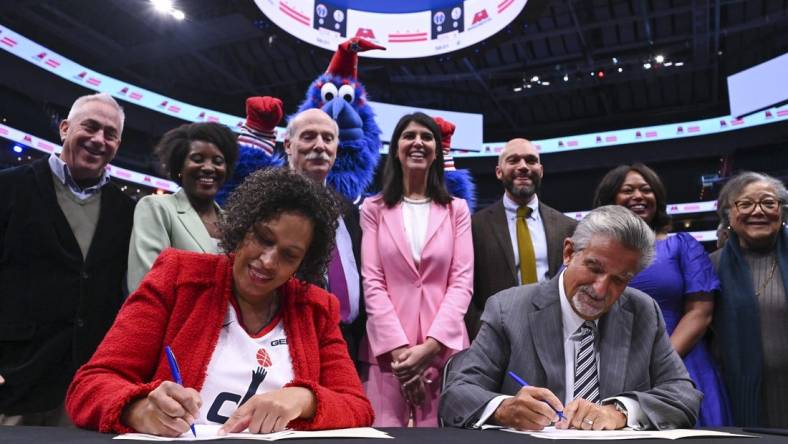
x,y
347,93
328,92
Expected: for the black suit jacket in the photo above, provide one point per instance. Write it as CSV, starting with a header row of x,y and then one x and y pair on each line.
x,y
356,330
493,254
55,307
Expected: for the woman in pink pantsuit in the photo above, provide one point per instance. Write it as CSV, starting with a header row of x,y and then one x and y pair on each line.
x,y
417,264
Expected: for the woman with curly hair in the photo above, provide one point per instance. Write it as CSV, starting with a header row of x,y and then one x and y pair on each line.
x,y
199,157
258,344
418,272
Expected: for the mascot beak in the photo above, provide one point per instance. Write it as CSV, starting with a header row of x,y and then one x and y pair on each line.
x,y
348,120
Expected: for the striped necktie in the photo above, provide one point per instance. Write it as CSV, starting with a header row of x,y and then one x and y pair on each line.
x,y
586,377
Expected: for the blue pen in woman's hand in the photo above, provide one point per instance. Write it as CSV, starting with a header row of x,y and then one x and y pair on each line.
x,y
522,382
176,374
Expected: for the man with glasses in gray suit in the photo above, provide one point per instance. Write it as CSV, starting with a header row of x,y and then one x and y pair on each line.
x,y
594,352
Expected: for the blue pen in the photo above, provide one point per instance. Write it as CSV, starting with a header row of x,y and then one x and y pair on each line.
x,y
176,374
525,384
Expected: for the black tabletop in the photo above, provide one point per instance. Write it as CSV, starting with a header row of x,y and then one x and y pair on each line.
x,y
14,435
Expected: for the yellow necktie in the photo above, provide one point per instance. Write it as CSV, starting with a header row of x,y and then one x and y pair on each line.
x,y
525,247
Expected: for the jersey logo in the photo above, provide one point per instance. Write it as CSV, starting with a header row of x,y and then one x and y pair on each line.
x,y
258,376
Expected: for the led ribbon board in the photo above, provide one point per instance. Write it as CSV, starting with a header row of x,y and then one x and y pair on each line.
x,y
53,62
409,29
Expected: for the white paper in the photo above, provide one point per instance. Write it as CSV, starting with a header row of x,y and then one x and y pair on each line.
x,y
206,432
626,433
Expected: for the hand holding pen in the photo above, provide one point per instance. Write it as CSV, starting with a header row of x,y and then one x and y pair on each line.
x,y
533,408
169,410
176,376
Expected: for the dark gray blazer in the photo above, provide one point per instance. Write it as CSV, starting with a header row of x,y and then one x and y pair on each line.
x,y
522,332
493,254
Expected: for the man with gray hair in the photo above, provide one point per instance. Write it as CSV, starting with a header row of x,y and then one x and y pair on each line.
x,y
64,236
311,143
594,352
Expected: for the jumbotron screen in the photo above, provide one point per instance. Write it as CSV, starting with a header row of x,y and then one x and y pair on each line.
x,y
408,29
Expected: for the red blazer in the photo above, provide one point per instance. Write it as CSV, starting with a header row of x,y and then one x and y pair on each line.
x,y
182,303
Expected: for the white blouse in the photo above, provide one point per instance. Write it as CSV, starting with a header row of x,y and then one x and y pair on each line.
x,y
415,218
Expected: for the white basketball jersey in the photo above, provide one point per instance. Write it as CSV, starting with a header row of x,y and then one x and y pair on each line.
x,y
242,366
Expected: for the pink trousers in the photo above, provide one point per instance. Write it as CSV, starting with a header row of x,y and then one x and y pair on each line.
x,y
391,408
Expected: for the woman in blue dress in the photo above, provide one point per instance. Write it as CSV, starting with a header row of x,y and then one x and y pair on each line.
x,y
681,279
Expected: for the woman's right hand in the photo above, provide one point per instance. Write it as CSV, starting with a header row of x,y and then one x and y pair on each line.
x,y
169,410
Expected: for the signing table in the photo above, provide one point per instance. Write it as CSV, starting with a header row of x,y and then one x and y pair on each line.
x,y
41,435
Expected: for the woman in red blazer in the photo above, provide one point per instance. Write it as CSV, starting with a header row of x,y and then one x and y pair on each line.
x,y
417,264
258,346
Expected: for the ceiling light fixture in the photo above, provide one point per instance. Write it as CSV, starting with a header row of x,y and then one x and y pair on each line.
x,y
659,58
163,6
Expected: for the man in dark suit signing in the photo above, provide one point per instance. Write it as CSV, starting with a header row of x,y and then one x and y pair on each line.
x,y
517,240
311,144
588,346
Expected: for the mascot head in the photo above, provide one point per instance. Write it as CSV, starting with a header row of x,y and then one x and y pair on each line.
x,y
339,93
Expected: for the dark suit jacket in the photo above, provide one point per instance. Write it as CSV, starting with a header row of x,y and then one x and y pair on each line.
x,y
356,330
494,268
55,307
522,332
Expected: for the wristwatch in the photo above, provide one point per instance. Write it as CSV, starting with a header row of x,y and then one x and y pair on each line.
x,y
619,406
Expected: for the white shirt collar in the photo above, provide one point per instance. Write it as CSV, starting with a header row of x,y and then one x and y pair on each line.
x,y
61,171
511,206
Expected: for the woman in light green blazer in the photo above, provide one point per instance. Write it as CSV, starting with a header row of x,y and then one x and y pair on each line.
x,y
199,157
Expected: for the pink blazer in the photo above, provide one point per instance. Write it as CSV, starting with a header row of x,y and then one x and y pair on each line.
x,y
406,304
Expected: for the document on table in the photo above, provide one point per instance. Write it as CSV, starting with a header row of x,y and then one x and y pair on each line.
x,y
207,432
553,433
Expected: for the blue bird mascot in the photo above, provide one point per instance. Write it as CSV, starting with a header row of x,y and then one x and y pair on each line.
x,y
339,93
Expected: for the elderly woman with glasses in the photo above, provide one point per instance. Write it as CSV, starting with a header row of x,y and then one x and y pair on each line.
x,y
752,312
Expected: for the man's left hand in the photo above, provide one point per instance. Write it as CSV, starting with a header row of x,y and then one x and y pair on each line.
x,y
585,415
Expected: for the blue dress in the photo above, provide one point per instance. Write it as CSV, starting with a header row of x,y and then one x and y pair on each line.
x,y
682,267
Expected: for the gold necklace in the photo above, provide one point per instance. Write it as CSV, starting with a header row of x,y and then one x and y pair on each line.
x,y
768,279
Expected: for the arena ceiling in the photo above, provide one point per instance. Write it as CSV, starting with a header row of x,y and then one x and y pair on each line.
x,y
225,51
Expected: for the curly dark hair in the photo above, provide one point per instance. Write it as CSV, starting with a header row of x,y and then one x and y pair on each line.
x,y
610,185
393,187
174,146
265,195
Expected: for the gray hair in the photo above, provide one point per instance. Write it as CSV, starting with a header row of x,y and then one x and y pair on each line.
x,y
290,129
734,187
620,224
99,97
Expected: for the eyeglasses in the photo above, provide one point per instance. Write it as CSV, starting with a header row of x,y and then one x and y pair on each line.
x,y
768,205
